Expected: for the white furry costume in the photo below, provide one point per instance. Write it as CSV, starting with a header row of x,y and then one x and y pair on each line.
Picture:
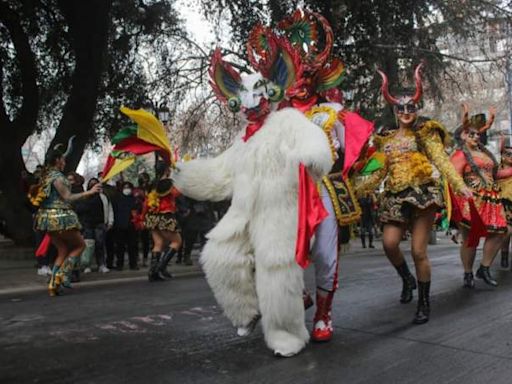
x,y
249,259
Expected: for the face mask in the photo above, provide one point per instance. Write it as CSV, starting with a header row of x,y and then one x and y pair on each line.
x,y
127,191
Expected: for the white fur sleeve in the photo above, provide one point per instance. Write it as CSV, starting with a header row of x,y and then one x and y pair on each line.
x,y
306,142
206,179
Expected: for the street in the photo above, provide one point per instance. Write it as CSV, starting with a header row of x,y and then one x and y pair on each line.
x,y
173,332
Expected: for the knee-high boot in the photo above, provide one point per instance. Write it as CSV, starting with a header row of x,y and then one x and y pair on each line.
x,y
153,269
164,261
68,266
423,310
322,328
408,283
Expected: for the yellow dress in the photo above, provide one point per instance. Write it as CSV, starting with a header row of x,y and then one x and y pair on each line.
x,y
506,197
410,156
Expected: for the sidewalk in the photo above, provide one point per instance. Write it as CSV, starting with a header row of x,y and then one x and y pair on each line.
x,y
18,272
18,275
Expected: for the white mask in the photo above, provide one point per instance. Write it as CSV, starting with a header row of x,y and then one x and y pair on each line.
x,y
127,191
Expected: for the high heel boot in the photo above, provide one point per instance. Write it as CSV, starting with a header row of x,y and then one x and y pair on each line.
x,y
162,266
423,309
55,281
408,283
153,274
485,274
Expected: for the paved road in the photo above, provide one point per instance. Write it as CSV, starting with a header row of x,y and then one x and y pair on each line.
x,y
174,333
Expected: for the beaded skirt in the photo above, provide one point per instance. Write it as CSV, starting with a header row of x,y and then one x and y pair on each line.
x,y
402,206
162,221
56,220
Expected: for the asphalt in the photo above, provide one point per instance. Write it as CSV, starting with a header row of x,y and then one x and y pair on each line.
x,y
173,332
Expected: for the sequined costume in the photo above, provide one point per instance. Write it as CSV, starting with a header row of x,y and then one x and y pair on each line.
x,y
410,158
505,186
160,207
55,214
486,191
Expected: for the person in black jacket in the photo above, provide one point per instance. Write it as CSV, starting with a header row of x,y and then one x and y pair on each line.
x,y
96,216
125,234
197,219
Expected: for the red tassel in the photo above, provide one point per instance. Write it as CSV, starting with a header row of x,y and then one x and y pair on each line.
x,y
42,250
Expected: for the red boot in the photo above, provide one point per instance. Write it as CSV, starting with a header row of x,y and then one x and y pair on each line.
x,y
322,329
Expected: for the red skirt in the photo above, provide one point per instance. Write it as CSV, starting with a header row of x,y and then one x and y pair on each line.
x,y
490,208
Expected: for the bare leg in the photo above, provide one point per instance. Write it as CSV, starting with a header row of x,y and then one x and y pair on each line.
x,y
492,245
467,254
62,249
420,233
391,238
392,235
421,228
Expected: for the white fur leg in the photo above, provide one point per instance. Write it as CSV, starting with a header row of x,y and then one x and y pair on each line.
x,y
229,269
282,309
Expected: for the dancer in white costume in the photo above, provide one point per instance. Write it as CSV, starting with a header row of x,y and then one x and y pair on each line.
x,y
316,95
249,259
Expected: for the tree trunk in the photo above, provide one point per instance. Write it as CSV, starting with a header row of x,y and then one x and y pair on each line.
x,y
15,217
14,212
88,29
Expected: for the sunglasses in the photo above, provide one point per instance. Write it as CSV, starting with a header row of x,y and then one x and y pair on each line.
x,y
406,108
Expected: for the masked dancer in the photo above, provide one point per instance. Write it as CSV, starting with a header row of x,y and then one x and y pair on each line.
x,y
412,195
160,219
479,168
56,217
250,257
316,95
505,185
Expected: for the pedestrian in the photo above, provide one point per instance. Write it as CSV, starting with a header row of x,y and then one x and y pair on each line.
x,y
125,235
97,217
197,220
143,235
112,194
367,223
160,219
56,216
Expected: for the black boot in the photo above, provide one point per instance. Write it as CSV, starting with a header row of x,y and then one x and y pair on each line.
x,y
504,259
370,240
188,259
423,310
153,268
363,241
162,266
469,280
408,283
485,274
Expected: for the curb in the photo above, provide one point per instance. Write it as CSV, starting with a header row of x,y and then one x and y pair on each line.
x,y
94,283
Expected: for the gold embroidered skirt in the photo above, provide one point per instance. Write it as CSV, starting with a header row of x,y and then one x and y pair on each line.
x,y
162,221
400,207
56,220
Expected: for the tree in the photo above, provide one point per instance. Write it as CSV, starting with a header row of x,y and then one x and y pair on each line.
x,y
393,35
71,64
